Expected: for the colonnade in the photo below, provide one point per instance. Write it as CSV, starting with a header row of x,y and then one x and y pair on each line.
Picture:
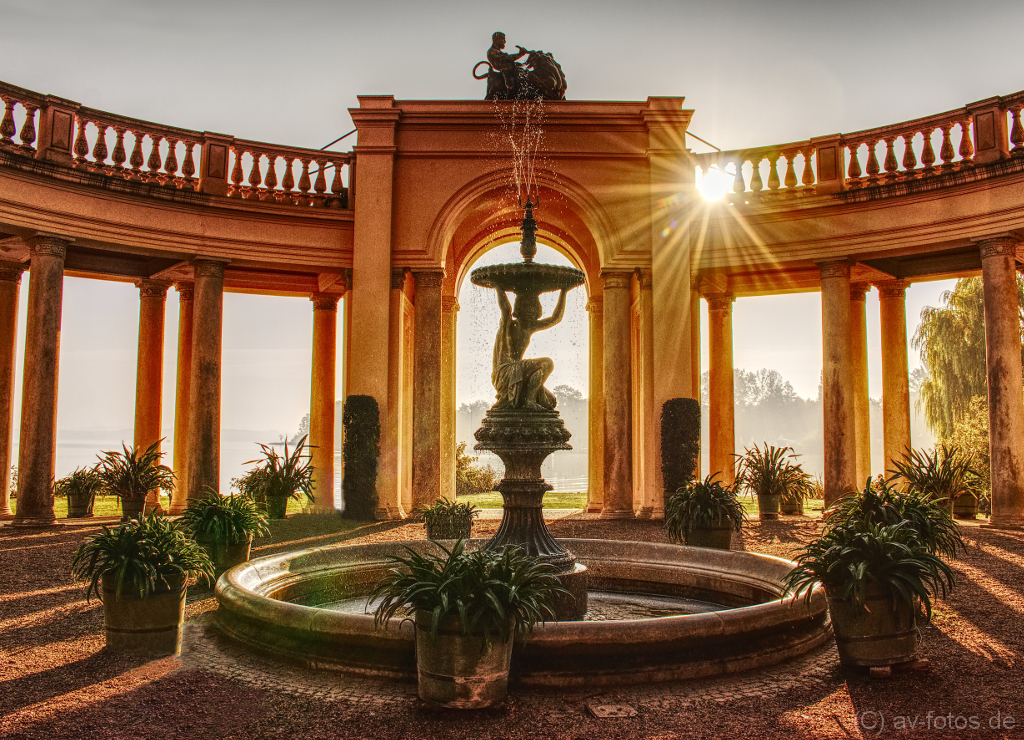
x,y
845,387
198,383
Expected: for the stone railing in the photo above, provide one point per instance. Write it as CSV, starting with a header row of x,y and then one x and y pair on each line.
x,y
62,131
979,133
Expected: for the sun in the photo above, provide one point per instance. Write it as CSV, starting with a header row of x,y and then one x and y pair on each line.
x,y
714,184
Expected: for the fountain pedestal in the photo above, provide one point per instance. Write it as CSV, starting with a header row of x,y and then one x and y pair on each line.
x,y
523,438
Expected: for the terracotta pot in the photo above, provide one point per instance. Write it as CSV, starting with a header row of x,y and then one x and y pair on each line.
x,y
80,507
132,508
768,507
455,670
965,506
224,555
277,507
717,537
885,634
451,529
149,627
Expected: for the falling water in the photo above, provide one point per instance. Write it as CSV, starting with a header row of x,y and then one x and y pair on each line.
x,y
522,131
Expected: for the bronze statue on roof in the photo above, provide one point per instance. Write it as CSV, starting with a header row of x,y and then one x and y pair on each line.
x,y
538,76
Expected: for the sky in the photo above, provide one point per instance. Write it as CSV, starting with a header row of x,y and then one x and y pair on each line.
x,y
286,71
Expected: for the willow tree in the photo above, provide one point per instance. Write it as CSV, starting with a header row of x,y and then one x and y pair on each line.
x,y
951,340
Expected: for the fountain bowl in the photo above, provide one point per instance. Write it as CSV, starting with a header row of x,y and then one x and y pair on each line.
x,y
274,605
527,277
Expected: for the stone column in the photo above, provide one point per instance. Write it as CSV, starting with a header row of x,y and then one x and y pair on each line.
x,y
149,375
449,321
321,401
837,382
721,400
652,498
204,395
426,394
892,315
182,390
390,481
1005,391
595,408
618,447
10,281
694,365
861,395
36,449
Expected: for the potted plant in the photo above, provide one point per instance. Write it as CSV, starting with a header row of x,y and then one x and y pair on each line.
x,y
468,607
80,488
448,520
139,570
875,576
224,526
704,514
131,474
281,477
771,474
944,474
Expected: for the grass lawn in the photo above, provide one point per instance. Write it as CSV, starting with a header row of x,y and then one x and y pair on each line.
x,y
552,500
110,506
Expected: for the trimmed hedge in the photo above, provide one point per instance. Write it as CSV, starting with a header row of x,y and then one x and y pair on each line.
x,y
361,420
680,441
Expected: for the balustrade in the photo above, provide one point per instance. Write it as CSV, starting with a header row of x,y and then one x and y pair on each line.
x,y
119,146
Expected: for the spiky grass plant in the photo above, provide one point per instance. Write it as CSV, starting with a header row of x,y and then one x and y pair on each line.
x,y
141,556
702,505
494,593
772,471
282,475
942,474
231,519
448,520
849,557
880,503
132,473
83,483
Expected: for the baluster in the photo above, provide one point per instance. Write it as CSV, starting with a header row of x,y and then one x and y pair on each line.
x,y
188,167
153,163
320,186
773,173
235,191
304,184
7,128
1017,132
891,166
255,177
271,181
289,180
171,162
81,145
966,147
136,160
872,166
854,171
927,153
756,186
337,186
790,180
739,186
808,178
909,158
946,150
99,149
118,156
28,128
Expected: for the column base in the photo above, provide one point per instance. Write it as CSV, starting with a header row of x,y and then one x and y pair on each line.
x,y
1017,524
624,514
645,512
6,516
389,514
31,523
594,509
320,510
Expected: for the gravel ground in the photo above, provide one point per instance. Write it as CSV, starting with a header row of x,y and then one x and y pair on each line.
x,y
57,680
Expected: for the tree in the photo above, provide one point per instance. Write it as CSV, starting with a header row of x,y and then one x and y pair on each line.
x,y
951,340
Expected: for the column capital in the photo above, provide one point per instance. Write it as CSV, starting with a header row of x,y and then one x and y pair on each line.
x,y
428,278
616,279
325,301
997,246
186,291
397,278
449,304
595,304
208,268
152,289
53,244
646,279
10,272
835,269
892,288
720,301
858,291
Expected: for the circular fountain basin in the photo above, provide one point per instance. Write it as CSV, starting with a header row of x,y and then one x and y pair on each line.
x,y
659,612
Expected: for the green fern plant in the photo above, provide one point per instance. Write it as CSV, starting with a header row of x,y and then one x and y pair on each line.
x,y
448,520
289,474
702,505
132,473
942,474
231,519
772,471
